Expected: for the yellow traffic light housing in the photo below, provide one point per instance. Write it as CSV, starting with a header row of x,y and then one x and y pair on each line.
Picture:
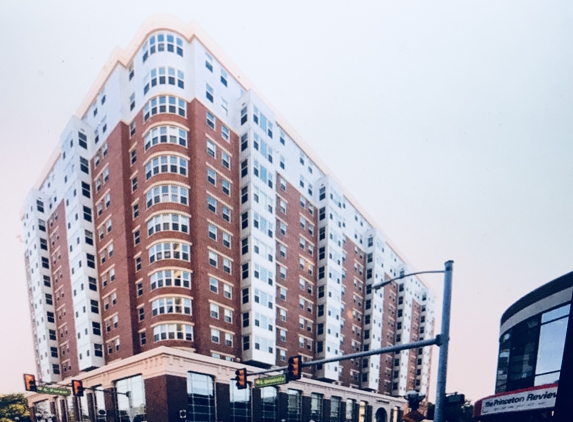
x,y
78,388
241,375
30,382
294,371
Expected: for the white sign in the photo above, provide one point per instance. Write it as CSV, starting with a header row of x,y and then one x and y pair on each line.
x,y
525,400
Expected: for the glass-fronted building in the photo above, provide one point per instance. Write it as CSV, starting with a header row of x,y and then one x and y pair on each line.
x,y
531,343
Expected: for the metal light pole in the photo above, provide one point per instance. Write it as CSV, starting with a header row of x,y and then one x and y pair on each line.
x,y
445,338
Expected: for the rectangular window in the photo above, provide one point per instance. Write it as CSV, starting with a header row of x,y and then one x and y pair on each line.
x,y
213,259
200,398
225,133
294,408
209,92
212,232
225,160
212,177
211,148
226,240
226,214
211,120
226,186
227,291
213,285
214,311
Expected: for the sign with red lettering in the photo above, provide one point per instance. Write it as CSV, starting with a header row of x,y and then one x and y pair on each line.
x,y
534,398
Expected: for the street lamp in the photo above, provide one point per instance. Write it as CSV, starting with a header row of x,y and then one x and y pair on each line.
x,y
444,335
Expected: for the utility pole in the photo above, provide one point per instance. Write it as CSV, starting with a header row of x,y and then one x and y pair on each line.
x,y
445,338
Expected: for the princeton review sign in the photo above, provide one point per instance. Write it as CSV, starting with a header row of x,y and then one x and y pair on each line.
x,y
536,398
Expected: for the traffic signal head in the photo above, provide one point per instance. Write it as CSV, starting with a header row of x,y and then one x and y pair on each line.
x,y
241,375
294,371
78,388
30,382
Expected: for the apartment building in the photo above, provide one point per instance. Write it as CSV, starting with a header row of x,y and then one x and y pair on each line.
x,y
181,210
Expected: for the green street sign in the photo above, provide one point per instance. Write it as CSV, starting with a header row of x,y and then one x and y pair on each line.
x,y
268,381
56,391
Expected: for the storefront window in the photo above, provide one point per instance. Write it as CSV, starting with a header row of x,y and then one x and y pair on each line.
x,y
335,409
349,410
42,410
294,406
131,399
362,411
269,404
71,414
84,410
240,404
99,403
316,407
200,398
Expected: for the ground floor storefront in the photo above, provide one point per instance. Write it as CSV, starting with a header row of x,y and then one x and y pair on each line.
x,y
171,385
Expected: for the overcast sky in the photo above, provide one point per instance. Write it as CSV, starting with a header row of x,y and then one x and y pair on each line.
x,y
450,122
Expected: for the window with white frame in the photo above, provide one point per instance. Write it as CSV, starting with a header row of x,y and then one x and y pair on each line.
x,y
170,278
166,164
173,332
163,76
211,122
227,291
211,148
213,285
171,305
226,240
227,266
213,259
169,250
167,222
215,335
167,193
164,104
225,133
161,42
228,315
226,160
228,339
212,176
226,187
165,134
214,310
212,232
209,94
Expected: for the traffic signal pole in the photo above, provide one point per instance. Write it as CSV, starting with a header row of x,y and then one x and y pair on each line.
x,y
396,348
442,340
443,359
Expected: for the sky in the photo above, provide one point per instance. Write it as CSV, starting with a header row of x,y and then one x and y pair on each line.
x,y
449,122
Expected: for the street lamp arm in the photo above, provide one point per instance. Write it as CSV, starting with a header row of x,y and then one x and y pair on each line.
x,y
386,282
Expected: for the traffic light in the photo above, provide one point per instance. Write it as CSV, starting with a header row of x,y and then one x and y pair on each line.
x,y
30,382
78,388
294,371
241,375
